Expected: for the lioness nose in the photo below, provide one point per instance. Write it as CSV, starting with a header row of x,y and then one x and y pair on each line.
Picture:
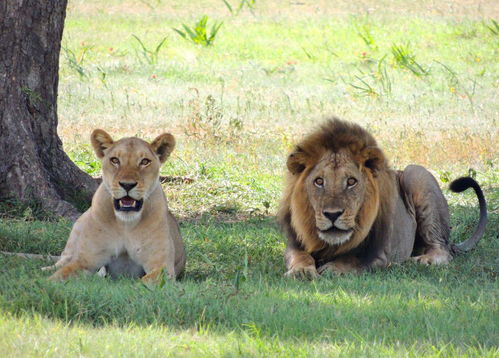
x,y
128,186
333,215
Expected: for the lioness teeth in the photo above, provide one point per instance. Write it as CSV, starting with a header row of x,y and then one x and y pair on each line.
x,y
127,203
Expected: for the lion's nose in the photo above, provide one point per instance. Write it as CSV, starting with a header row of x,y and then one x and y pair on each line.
x,y
128,186
333,215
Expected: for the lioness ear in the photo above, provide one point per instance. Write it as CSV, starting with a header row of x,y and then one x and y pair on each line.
x,y
100,141
374,158
163,145
296,161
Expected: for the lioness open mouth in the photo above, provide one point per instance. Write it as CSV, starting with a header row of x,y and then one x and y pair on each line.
x,y
128,204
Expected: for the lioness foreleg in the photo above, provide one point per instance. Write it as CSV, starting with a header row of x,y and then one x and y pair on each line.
x,y
84,262
68,270
156,265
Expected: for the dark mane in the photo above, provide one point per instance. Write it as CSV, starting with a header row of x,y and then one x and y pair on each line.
x,y
296,215
335,134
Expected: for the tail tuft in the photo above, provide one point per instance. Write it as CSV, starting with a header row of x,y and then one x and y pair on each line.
x,y
461,184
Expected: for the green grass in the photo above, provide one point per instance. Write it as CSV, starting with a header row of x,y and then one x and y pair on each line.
x,y
235,301
236,108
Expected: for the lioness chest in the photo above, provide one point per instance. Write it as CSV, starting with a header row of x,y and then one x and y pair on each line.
x,y
127,248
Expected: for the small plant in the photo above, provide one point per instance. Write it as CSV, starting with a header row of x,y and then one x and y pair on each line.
x,y
85,159
452,76
250,4
309,55
375,83
383,77
493,27
365,34
199,33
404,58
363,88
75,61
456,86
117,52
207,121
151,56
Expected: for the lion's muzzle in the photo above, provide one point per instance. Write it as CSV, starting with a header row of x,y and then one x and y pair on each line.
x,y
332,228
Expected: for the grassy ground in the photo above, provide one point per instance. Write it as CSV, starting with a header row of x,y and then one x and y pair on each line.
x,y
422,77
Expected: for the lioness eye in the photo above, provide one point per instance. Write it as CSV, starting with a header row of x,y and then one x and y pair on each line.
x,y
319,182
144,162
351,182
115,161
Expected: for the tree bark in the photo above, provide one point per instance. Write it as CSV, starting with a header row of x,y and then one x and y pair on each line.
x,y
33,166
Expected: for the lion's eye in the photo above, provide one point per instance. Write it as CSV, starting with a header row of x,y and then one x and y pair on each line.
x,y
351,182
145,162
115,161
319,182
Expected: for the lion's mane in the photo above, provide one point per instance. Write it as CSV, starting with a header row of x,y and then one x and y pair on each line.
x,y
335,135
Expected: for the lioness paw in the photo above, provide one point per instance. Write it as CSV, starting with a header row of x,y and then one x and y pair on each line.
x,y
157,276
56,277
49,268
309,272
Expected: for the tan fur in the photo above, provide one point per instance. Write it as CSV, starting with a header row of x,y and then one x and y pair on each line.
x,y
341,265
123,241
384,216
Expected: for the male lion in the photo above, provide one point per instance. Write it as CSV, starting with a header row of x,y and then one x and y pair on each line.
x,y
128,229
345,210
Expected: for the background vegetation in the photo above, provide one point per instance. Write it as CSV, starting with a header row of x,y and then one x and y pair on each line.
x,y
246,81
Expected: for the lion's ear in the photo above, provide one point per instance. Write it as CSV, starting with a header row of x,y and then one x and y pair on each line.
x,y
296,161
163,145
374,158
100,141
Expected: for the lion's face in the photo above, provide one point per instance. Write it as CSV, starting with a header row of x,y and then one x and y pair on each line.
x,y
333,195
130,169
335,188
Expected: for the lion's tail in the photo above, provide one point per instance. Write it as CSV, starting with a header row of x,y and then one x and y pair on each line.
x,y
460,185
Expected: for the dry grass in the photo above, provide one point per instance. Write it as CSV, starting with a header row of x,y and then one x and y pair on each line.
x,y
295,9
273,74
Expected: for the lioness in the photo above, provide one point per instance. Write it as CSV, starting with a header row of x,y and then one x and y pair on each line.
x,y
345,210
128,229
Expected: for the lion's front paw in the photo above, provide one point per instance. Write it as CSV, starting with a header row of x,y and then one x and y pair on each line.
x,y
309,272
338,268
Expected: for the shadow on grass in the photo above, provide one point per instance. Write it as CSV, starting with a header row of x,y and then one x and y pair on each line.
x,y
234,283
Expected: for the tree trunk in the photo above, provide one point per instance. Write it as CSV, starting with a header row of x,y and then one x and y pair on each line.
x,y
33,166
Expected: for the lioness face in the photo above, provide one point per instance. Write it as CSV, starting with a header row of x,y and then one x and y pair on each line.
x,y
335,187
130,169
